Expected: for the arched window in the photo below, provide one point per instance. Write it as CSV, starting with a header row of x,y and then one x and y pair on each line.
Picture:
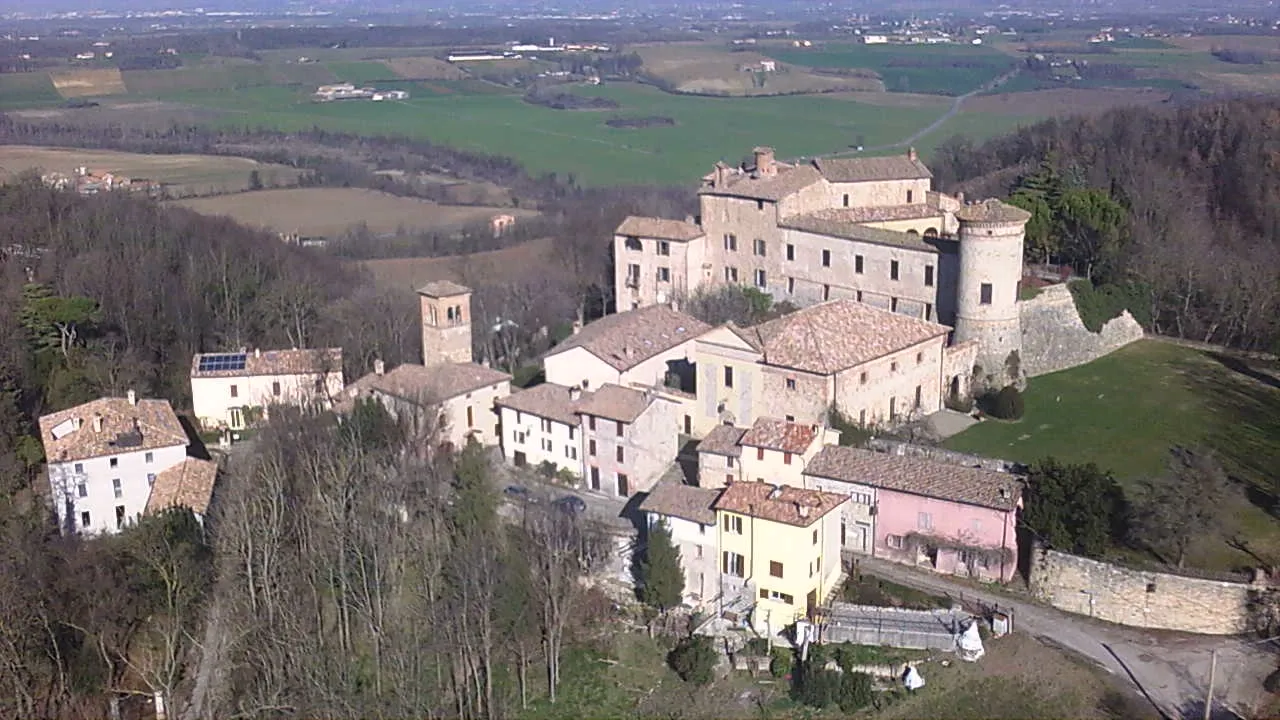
x,y
448,314
913,233
931,233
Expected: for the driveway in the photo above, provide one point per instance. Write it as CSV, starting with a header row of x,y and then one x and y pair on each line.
x,y
1169,669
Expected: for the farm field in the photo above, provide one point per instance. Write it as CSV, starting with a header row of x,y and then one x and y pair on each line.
x,y
513,263
708,68
88,83
331,211
580,143
1040,104
941,69
185,174
27,90
1125,410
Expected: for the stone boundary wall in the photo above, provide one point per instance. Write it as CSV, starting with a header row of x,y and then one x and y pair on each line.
x,y
1140,598
928,452
1054,338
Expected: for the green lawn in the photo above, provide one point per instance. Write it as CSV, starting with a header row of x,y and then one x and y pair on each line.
x,y
951,69
27,90
1125,410
578,142
360,73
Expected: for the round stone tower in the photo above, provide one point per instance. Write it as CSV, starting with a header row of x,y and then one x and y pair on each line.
x,y
991,238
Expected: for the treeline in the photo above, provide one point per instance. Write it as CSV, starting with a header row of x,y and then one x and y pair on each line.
x,y
1180,205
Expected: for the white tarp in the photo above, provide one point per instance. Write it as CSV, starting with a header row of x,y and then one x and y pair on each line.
x,y
970,643
912,680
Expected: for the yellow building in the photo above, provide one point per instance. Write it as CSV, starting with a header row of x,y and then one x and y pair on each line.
x,y
781,546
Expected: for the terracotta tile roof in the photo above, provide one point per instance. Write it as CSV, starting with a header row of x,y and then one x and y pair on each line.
x,y
682,501
886,213
443,288
918,476
778,503
627,339
833,222
276,362
837,335
420,384
614,402
547,400
126,427
651,227
788,181
863,169
772,434
992,211
723,440
187,484
346,402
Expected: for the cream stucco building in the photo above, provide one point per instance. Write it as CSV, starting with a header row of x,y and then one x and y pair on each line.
x,y
870,229
231,390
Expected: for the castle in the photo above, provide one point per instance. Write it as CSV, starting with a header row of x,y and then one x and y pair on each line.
x,y
870,229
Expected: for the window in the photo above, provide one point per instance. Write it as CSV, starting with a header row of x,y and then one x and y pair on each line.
x,y
80,467
728,462
893,269
82,490
857,264
235,391
862,417
520,438
275,388
790,418
815,536
760,453
151,479
919,358
862,378
760,279
893,304
791,383
633,274
780,597
928,276
620,454
760,248
119,517
786,458
893,366
698,548
115,487
319,385
919,397
633,243
571,431
733,564
760,205
893,541
84,519
731,242
924,521
595,478
664,247
621,426
114,462
791,286
826,258
546,445
728,377
846,199
624,488
471,417
908,197
546,425
860,498
775,569
591,423
664,274
928,311
731,274
728,479
733,524
986,294
791,251
571,452
826,292
591,447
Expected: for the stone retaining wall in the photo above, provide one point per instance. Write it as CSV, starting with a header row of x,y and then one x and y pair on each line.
x,y
1140,598
1054,338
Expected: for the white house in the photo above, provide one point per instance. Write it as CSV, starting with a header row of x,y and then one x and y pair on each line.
x,y
231,389
104,456
687,512
637,347
540,425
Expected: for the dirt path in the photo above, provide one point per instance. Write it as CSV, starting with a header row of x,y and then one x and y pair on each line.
x,y
1169,669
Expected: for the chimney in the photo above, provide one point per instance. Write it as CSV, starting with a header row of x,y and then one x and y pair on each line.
x,y
575,393
776,492
960,198
911,154
802,509
133,397
577,326
690,219
379,367
257,352
720,177
764,162
97,422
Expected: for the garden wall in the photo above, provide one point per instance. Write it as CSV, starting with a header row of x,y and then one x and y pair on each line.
x,y
1140,598
894,627
1054,337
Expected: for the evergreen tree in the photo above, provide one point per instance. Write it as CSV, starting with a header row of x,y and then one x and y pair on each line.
x,y
662,579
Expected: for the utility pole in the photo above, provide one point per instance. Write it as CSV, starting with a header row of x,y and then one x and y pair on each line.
x,y
1208,698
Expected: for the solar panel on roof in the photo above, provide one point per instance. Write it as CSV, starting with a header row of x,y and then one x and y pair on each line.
x,y
219,363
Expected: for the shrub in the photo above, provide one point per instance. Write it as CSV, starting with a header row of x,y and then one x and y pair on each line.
x,y
855,691
694,660
851,433
959,403
1006,404
781,663
1097,305
758,647
816,686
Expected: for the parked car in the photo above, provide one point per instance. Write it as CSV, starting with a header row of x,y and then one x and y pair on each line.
x,y
519,492
571,505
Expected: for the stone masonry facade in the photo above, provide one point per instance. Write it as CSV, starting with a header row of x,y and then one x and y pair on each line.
x,y
1140,598
1054,338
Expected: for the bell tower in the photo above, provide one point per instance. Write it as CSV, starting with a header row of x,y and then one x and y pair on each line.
x,y
446,323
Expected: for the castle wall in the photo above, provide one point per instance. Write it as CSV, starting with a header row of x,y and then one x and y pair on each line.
x,y
920,225
879,193
1139,598
1054,338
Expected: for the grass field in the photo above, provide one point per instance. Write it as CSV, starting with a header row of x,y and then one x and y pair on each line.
x,y
330,211
27,90
710,68
88,83
361,73
546,140
1125,410
197,174
535,258
942,69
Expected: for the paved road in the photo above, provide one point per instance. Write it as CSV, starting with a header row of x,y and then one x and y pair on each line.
x,y
1170,669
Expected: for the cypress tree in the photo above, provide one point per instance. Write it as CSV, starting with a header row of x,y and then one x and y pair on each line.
x,y
662,579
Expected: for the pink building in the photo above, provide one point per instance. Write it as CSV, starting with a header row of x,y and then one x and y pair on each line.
x,y
951,518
